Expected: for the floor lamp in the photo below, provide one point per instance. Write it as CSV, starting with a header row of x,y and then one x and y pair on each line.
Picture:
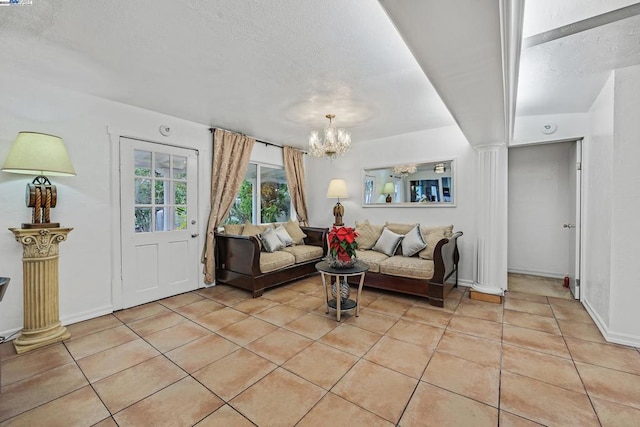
x,y
38,154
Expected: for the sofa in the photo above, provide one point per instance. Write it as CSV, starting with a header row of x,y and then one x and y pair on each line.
x,y
425,273
243,260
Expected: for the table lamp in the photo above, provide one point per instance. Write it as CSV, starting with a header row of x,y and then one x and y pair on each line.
x,y
35,153
338,190
388,188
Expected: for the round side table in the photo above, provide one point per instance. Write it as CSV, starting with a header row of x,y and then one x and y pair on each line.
x,y
360,268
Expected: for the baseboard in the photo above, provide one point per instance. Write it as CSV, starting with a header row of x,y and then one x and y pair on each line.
x,y
462,282
611,336
536,273
86,315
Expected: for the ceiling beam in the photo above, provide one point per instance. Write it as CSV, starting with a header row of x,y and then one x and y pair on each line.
x,y
583,25
459,45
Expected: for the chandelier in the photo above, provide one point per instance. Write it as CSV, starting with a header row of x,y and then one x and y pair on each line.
x,y
405,170
336,141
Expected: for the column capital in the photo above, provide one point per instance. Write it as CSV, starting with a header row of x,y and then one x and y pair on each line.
x,y
490,146
40,242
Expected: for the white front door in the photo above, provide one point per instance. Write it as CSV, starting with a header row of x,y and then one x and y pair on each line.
x,y
573,226
158,216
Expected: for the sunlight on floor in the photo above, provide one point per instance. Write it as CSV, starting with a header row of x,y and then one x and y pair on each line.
x,y
538,285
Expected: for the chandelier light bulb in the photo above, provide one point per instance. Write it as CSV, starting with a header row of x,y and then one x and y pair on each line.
x,y
336,141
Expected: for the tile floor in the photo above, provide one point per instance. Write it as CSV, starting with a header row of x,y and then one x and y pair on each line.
x,y
216,357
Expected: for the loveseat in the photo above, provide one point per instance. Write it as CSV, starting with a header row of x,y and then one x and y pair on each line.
x,y
243,259
424,273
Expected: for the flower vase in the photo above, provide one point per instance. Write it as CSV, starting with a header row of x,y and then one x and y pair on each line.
x,y
345,290
341,263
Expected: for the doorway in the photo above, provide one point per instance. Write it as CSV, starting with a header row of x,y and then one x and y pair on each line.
x,y
544,218
158,211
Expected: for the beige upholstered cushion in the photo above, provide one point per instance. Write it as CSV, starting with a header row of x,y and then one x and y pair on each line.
x,y
270,240
388,242
284,236
235,229
399,228
304,253
271,261
412,267
431,236
412,242
368,234
296,233
372,259
251,229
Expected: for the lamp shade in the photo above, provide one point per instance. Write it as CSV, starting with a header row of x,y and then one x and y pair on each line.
x,y
36,153
388,188
337,189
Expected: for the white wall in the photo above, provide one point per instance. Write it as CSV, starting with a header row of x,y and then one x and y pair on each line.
x,y
529,129
538,205
625,244
417,147
83,201
596,220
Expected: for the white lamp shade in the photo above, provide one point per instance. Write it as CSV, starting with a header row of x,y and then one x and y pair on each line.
x,y
337,189
388,188
36,153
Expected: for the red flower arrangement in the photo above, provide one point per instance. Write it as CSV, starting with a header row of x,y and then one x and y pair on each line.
x,y
342,246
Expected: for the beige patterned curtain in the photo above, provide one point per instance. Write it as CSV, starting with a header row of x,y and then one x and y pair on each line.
x,y
294,170
231,153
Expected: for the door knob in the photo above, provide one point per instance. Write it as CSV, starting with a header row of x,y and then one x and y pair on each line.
x,y
568,226
195,235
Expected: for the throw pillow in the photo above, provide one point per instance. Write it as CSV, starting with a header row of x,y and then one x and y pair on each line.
x,y
388,242
431,236
296,233
251,229
399,228
270,241
368,234
412,242
235,229
284,237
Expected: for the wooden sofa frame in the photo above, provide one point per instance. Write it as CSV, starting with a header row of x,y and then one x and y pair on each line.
x,y
445,264
238,262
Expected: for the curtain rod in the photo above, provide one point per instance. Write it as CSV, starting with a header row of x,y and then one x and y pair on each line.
x,y
257,140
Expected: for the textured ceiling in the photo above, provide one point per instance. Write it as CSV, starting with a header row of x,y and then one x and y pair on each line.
x,y
566,74
271,69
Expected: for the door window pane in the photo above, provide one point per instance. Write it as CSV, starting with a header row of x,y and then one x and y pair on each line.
x,y
142,162
180,220
159,192
143,220
163,219
162,165
179,167
180,193
142,191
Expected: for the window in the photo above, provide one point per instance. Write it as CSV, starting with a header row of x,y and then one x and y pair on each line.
x,y
160,191
271,203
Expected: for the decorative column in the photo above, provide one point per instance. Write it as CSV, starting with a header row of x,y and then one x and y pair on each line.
x,y
491,193
40,280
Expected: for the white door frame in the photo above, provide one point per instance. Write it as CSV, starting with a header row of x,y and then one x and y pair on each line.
x,y
115,206
580,223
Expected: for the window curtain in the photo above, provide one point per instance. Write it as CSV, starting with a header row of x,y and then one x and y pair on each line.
x,y
231,154
294,171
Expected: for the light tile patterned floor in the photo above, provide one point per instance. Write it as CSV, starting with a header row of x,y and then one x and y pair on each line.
x,y
217,357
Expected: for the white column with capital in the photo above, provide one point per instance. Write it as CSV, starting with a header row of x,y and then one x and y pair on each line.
x,y
491,193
